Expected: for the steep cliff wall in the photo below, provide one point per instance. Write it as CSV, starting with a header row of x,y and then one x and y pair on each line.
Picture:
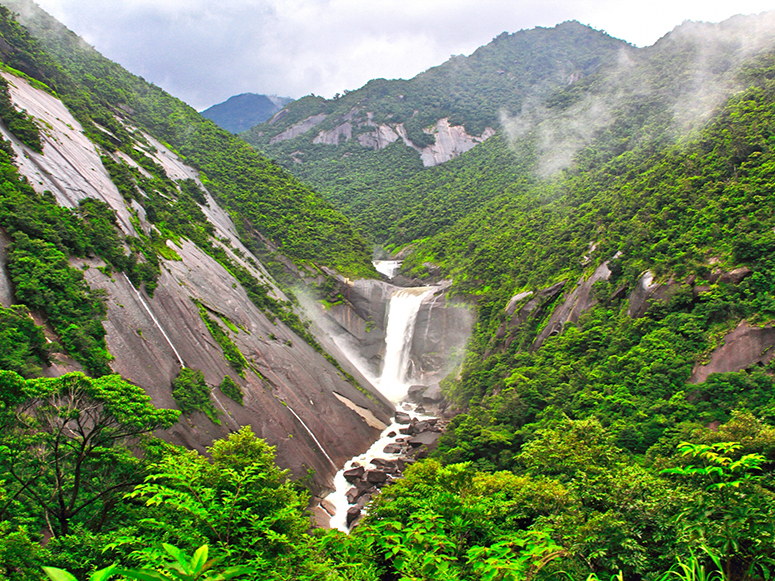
x,y
290,389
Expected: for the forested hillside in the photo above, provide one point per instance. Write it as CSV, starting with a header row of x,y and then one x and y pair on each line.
x,y
615,232
549,93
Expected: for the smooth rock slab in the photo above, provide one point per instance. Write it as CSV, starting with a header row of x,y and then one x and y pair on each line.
x,y
424,439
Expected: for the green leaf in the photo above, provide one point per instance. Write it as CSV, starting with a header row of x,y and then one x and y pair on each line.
x,y
58,574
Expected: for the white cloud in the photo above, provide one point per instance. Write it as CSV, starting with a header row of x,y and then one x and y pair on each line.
x,y
204,51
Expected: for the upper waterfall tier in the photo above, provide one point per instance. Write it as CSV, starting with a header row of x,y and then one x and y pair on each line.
x,y
402,317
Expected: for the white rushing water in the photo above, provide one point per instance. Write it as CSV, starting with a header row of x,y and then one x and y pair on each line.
x,y
338,497
393,383
387,267
402,316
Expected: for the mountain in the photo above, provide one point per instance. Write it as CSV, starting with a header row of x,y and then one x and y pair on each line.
x,y
140,237
378,153
241,112
600,331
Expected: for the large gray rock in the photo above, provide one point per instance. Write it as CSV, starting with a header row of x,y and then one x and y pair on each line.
x,y
579,300
535,307
742,348
432,394
424,439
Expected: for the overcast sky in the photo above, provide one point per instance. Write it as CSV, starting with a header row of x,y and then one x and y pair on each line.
x,y
204,51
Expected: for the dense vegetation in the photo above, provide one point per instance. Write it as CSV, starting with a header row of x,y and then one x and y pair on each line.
x,y
562,96
587,454
260,195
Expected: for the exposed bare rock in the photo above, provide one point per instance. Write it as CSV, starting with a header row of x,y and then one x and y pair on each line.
x,y
579,300
742,348
291,391
388,466
6,287
392,449
362,502
451,141
415,393
376,476
353,514
328,506
335,135
297,128
514,301
735,276
442,328
424,439
70,166
320,517
352,495
402,417
380,138
432,394
646,292
354,474
535,307
365,413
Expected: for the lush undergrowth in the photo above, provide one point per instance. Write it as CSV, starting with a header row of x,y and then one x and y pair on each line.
x,y
588,454
573,506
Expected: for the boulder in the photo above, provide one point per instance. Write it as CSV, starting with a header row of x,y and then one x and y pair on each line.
x,y
402,463
389,466
354,474
353,514
432,394
391,434
352,495
735,276
424,439
363,501
743,347
328,506
402,417
376,476
392,449
415,393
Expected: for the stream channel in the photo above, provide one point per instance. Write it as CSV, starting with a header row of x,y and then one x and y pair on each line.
x,y
394,382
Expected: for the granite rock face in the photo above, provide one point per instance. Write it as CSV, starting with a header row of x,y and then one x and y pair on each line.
x,y
293,397
742,348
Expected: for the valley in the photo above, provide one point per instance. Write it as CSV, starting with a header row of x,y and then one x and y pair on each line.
x,y
511,319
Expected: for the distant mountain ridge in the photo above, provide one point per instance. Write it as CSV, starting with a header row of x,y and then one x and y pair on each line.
x,y
241,112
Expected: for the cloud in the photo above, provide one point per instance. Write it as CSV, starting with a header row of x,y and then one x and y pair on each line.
x,y
205,51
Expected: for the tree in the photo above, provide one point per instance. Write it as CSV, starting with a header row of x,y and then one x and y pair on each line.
x,y
64,446
731,512
241,502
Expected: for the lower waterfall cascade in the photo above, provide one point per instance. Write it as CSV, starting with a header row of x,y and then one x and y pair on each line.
x,y
394,382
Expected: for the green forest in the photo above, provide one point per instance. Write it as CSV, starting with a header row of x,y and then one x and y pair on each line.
x,y
585,452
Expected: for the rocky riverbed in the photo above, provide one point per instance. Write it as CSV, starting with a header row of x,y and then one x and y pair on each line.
x,y
410,438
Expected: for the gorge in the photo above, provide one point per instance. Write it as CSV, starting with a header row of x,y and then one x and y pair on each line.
x,y
577,298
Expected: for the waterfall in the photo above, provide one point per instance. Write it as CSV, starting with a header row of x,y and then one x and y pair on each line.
x,y
387,267
402,316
